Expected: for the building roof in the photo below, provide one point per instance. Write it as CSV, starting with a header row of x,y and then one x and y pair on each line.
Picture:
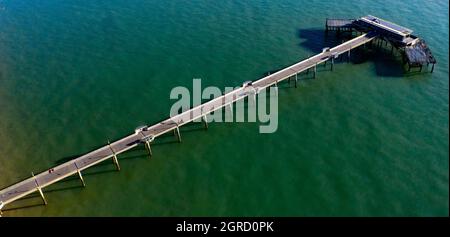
x,y
386,25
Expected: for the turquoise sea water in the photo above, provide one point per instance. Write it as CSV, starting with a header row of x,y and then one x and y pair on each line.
x,y
364,140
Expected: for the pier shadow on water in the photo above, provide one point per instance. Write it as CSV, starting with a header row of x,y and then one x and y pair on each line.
x,y
19,205
34,200
315,39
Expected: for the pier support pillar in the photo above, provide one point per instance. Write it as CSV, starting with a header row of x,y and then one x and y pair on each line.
x,y
296,79
332,63
42,196
80,176
205,121
149,149
39,189
177,133
348,57
276,87
315,71
230,107
114,157
116,162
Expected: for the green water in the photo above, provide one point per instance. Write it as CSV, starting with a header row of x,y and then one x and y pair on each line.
x,y
363,140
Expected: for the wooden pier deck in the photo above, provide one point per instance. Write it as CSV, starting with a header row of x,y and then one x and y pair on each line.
x,y
146,135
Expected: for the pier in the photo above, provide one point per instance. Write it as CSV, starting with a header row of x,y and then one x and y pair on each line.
x,y
145,135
